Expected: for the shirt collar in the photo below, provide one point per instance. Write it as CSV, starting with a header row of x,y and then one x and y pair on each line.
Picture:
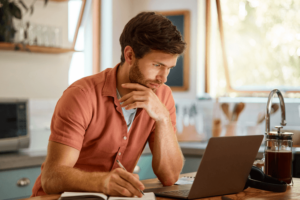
x,y
110,84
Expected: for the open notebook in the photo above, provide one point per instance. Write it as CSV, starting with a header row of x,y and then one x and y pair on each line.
x,y
92,195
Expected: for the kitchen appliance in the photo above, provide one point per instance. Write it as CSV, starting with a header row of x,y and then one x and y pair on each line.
x,y
14,124
278,145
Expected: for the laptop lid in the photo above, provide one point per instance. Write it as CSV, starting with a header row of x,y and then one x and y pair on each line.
x,y
225,165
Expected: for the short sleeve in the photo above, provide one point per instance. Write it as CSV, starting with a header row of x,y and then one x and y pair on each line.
x,y
169,102
71,117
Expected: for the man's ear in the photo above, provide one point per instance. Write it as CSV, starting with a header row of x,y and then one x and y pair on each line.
x,y
129,55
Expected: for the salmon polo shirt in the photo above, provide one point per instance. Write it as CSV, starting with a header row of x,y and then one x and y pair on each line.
x,y
89,118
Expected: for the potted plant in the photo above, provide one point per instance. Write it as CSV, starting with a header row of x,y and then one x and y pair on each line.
x,y
10,9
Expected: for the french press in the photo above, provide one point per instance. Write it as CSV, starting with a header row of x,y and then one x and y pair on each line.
x,y
278,145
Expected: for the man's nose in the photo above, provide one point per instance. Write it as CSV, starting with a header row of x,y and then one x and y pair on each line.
x,y
163,74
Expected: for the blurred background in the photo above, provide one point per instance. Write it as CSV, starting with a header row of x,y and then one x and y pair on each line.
x,y
238,51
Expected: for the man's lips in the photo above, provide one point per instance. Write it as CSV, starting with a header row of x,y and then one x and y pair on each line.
x,y
154,85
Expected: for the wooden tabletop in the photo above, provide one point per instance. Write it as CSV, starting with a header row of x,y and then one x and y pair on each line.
x,y
292,192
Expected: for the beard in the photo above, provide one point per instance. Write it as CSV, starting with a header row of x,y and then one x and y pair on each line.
x,y
136,76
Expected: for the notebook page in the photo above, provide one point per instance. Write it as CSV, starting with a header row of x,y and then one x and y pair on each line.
x,y
147,196
82,194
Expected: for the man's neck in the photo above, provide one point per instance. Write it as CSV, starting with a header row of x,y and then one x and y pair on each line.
x,y
123,77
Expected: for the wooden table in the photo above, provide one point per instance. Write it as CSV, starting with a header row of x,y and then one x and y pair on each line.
x,y
292,192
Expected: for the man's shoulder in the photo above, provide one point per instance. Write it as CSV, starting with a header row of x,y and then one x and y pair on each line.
x,y
92,82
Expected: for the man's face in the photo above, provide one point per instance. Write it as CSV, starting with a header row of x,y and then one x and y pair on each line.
x,y
152,70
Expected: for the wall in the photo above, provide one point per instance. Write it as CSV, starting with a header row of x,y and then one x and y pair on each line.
x,y
35,75
122,13
42,78
124,10
32,75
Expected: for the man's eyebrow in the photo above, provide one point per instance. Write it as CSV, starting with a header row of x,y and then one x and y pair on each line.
x,y
163,64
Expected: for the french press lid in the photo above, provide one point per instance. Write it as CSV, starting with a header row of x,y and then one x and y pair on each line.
x,y
279,134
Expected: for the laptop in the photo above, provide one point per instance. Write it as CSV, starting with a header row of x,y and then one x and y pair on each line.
x,y
224,169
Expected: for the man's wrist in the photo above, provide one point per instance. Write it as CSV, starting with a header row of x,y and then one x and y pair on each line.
x,y
97,181
164,120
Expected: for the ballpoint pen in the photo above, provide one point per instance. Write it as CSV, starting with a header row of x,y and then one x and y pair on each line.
x,y
119,163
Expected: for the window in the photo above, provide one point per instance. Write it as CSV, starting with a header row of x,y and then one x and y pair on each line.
x,y
262,43
79,66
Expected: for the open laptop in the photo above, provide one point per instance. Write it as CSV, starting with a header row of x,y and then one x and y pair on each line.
x,y
224,169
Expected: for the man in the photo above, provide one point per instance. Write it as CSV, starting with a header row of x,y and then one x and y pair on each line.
x,y
110,116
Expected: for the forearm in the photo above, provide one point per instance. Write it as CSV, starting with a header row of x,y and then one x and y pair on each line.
x,y
63,178
167,160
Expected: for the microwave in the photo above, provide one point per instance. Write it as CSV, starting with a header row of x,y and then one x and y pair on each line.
x,y
14,124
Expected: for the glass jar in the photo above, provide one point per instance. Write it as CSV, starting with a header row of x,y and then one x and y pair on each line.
x,y
278,155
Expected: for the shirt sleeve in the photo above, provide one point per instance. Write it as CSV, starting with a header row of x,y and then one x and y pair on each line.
x,y
71,117
170,105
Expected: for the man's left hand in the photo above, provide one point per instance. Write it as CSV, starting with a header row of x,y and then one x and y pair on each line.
x,y
143,97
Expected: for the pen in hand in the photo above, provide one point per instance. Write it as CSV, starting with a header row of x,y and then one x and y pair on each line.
x,y
119,163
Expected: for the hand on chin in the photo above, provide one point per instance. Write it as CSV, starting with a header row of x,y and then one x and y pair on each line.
x,y
144,97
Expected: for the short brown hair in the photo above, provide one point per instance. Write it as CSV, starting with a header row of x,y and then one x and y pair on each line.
x,y
150,31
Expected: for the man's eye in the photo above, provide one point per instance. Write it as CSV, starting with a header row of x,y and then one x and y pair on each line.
x,y
156,65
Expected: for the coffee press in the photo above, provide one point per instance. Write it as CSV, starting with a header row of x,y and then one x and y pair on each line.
x,y
278,145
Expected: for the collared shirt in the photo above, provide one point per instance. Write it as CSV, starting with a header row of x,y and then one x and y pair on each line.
x,y
128,114
89,118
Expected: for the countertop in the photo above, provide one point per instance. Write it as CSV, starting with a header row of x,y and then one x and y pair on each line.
x,y
292,192
21,159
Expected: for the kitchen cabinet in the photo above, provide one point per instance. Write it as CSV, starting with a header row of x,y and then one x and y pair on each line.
x,y
191,164
11,182
145,165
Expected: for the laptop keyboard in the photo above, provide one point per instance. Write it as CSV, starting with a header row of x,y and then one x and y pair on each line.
x,y
184,193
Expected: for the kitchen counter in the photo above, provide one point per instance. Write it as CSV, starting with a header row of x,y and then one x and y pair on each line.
x,y
292,192
14,160
21,159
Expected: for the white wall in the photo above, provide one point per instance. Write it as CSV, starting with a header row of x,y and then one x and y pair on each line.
x,y
37,75
122,13
124,10
33,75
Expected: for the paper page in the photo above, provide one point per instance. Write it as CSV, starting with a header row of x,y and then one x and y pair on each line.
x,y
185,180
147,196
82,194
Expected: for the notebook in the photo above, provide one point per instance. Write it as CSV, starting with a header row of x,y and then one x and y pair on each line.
x,y
97,196
224,169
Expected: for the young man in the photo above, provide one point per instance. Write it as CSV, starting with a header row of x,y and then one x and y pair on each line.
x,y
110,116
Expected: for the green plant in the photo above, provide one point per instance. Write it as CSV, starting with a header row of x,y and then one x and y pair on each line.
x,y
10,9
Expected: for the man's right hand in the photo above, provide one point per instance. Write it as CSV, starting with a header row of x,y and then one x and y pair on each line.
x,y
59,175
119,182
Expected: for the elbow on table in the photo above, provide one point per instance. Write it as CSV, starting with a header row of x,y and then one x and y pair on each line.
x,y
168,181
45,183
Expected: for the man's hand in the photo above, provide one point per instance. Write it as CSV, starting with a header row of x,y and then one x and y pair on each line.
x,y
120,182
143,97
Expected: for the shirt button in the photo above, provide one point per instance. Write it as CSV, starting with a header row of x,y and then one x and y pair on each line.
x,y
125,138
119,153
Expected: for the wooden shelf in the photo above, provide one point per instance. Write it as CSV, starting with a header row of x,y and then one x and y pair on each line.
x,y
35,49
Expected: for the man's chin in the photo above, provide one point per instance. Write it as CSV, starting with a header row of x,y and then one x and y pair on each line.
x,y
147,86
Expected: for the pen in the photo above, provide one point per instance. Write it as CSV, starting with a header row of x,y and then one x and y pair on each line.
x,y
119,163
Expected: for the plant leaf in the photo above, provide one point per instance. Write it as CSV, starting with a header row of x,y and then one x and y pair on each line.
x,y
31,10
14,10
3,1
24,5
